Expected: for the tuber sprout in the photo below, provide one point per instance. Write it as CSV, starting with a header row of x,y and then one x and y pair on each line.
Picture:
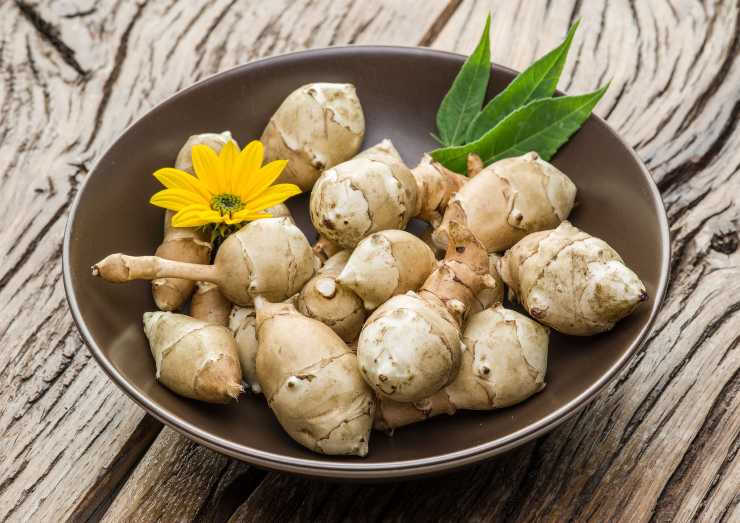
x,y
571,281
193,358
316,127
385,264
510,199
269,257
310,380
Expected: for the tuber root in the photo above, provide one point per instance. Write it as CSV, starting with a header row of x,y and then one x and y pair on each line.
x,y
510,199
310,379
193,358
372,192
186,244
385,264
571,281
269,257
504,362
209,305
243,325
410,346
331,302
316,127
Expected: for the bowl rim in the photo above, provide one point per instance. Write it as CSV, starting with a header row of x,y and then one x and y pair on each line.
x,y
352,469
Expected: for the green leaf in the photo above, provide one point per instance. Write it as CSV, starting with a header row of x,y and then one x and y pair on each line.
x,y
542,126
465,98
539,80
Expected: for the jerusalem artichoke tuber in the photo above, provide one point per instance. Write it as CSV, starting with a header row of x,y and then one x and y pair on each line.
x,y
490,295
371,192
209,305
410,346
385,264
510,199
331,302
243,325
186,244
503,363
269,257
375,191
311,382
571,281
316,127
193,358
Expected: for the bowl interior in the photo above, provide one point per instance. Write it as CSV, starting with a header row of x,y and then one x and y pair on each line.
x,y
400,89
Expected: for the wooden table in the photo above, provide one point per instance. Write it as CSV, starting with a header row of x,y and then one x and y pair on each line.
x,y
660,443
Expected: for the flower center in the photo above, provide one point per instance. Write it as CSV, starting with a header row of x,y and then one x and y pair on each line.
x,y
226,203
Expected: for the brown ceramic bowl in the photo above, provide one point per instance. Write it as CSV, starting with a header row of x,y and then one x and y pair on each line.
x,y
400,89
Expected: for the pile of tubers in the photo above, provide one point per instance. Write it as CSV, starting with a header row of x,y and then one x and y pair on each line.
x,y
367,328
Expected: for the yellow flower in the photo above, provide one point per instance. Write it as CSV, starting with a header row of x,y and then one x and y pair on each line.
x,y
231,187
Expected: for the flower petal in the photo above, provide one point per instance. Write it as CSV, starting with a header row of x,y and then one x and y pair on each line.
x,y
195,215
247,216
176,199
251,160
261,180
272,196
229,159
208,168
177,179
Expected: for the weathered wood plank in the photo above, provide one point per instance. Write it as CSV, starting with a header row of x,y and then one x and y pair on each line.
x,y
73,75
662,441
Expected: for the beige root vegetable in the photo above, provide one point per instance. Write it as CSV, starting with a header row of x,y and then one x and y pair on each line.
x,y
310,379
503,363
186,244
332,303
410,346
193,358
316,127
385,264
510,199
324,249
269,257
571,281
375,191
371,192
209,305
243,325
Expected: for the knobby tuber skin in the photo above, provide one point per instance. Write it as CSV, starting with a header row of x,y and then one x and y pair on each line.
x,y
510,199
269,257
571,281
194,359
410,346
385,264
186,244
243,325
209,305
316,127
371,192
311,382
331,302
435,185
503,363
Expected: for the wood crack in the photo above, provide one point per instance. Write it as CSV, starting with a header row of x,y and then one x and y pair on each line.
x,y
50,34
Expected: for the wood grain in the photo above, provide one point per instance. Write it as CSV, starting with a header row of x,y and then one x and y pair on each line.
x,y
661,443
